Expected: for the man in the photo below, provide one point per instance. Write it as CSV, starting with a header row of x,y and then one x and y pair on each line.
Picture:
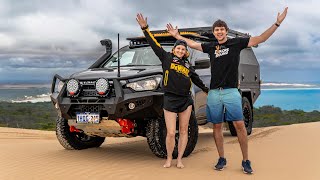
x,y
223,94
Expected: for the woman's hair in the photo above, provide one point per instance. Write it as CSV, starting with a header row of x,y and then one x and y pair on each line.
x,y
220,23
180,42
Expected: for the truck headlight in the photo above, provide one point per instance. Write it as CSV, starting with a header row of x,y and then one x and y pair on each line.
x,y
73,87
102,86
146,84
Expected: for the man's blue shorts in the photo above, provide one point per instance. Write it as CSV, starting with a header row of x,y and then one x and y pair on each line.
x,y
218,99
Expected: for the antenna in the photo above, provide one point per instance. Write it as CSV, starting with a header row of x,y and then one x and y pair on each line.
x,y
118,55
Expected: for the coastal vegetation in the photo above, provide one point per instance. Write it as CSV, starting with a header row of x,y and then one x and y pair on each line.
x,y
274,116
42,116
28,115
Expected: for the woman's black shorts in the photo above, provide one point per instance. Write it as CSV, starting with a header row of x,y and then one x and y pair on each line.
x,y
176,103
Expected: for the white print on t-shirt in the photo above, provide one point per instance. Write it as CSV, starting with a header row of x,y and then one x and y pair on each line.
x,y
175,60
221,52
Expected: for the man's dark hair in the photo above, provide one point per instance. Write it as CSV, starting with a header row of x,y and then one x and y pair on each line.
x,y
220,23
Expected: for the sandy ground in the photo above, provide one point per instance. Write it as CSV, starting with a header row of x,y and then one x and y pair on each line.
x,y
286,152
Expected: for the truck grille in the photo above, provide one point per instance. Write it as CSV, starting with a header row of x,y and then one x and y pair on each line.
x,y
90,108
86,108
76,108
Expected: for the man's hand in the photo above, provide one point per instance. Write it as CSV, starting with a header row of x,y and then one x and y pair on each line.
x,y
141,21
282,16
265,35
173,31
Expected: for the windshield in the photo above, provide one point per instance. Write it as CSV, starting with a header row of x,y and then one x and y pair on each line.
x,y
143,56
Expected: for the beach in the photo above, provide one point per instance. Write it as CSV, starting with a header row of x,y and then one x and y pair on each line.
x,y
282,152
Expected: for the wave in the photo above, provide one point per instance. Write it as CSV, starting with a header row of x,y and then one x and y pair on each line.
x,y
291,89
32,99
24,86
288,85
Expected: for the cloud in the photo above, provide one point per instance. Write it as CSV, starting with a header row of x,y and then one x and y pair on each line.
x,y
52,36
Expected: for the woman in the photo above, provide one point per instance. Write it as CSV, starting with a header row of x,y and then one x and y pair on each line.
x,y
177,77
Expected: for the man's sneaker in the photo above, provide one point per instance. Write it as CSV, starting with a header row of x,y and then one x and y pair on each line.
x,y
246,167
222,162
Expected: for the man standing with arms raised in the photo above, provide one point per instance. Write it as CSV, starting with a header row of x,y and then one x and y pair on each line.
x,y
225,57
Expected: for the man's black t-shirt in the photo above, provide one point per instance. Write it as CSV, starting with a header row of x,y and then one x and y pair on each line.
x,y
225,61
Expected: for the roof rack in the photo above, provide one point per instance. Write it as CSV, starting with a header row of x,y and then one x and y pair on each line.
x,y
205,31
197,33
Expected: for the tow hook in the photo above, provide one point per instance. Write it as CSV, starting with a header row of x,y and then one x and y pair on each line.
x,y
74,129
126,125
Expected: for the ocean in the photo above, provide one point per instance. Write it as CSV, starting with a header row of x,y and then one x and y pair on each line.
x,y
25,93
305,97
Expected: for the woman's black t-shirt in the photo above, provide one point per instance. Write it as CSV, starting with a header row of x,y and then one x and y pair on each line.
x,y
177,73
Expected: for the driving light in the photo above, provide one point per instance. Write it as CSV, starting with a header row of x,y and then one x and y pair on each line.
x,y
131,106
102,86
145,85
73,87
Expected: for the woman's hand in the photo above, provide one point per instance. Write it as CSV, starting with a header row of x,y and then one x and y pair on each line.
x,y
142,21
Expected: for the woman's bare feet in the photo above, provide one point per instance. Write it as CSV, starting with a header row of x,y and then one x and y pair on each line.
x,y
179,164
168,163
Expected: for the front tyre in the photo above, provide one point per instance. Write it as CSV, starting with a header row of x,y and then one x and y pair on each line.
x,y
157,132
75,140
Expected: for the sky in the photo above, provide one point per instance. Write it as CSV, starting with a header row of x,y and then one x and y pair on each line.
x,y
40,38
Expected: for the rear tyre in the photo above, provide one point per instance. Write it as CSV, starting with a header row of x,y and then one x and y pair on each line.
x,y
75,140
247,117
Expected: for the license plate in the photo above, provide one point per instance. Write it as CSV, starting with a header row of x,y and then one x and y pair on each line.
x,y
88,117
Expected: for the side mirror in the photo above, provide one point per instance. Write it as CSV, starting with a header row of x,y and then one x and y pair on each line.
x,y
202,64
107,43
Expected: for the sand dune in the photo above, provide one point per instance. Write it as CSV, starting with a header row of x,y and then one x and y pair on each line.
x,y
286,152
